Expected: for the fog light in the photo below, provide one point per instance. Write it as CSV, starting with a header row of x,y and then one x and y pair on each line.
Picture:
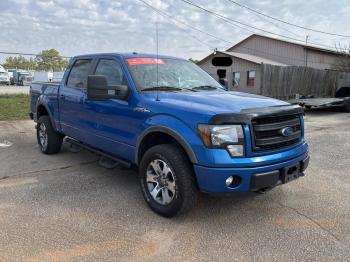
x,y
235,150
229,180
233,181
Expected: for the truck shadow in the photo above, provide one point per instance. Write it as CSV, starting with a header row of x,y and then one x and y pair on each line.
x,y
324,111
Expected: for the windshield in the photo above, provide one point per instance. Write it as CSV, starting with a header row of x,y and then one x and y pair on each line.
x,y
172,74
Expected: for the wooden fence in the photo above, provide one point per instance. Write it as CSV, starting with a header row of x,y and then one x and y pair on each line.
x,y
286,82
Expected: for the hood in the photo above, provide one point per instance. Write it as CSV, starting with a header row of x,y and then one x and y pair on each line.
x,y
216,102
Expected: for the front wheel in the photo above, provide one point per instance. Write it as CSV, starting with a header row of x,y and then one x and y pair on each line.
x,y
347,107
50,142
167,180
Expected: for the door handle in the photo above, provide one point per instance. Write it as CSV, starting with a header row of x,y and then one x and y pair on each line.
x,y
63,97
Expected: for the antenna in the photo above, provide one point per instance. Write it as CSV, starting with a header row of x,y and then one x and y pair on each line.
x,y
157,56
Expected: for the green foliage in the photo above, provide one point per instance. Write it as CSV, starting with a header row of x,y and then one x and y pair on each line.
x,y
20,62
342,63
13,107
50,60
47,60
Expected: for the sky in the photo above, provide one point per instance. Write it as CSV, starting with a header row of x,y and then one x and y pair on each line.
x,y
84,26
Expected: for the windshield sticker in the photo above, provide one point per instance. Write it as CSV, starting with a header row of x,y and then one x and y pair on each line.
x,y
145,61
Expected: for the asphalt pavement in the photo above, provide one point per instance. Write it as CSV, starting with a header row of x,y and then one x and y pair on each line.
x,y
66,207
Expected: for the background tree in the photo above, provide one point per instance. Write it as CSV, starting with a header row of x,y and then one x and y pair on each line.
x,y
20,62
343,61
46,60
50,60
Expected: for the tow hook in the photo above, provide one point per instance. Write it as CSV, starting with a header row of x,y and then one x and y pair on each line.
x,y
263,190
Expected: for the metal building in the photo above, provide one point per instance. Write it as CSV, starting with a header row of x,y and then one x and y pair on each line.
x,y
239,67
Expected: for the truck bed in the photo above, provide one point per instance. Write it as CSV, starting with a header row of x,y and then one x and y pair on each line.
x,y
50,89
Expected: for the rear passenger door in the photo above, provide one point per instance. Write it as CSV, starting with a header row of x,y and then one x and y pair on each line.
x,y
75,118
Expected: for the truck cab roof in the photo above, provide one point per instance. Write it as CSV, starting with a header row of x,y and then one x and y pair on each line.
x,y
127,55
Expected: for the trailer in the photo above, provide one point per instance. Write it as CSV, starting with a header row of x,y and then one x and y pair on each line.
x,y
341,99
42,76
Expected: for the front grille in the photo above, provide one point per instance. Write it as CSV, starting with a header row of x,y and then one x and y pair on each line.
x,y
267,132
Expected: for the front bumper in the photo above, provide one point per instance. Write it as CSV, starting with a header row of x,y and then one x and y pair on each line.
x,y
213,180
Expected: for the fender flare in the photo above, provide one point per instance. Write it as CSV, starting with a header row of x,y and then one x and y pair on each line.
x,y
170,132
48,111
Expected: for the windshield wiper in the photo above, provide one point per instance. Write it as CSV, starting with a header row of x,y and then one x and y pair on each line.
x,y
166,88
162,88
206,87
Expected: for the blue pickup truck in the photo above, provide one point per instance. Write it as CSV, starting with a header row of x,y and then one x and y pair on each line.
x,y
178,126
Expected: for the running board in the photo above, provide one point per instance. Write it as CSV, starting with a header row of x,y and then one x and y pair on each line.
x,y
104,155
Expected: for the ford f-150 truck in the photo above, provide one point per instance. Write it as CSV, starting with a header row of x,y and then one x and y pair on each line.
x,y
178,126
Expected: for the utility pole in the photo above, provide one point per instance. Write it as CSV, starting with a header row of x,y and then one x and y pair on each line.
x,y
306,42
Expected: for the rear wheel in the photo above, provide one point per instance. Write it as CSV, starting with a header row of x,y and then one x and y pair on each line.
x,y
50,142
167,180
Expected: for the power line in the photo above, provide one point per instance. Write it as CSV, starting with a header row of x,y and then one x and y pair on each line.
x,y
276,25
285,22
247,48
27,54
183,23
230,20
173,21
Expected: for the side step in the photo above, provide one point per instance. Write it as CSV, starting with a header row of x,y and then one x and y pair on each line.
x,y
106,160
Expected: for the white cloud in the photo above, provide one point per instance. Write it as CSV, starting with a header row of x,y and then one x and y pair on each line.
x,y
86,26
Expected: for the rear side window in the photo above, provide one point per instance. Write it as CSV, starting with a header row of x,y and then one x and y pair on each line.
x,y
78,75
112,71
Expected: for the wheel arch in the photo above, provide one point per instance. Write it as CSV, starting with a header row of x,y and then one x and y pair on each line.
x,y
42,110
147,140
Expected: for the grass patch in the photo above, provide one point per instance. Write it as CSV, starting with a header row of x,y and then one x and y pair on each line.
x,y
14,107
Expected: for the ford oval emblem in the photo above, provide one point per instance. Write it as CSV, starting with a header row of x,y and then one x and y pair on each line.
x,y
287,131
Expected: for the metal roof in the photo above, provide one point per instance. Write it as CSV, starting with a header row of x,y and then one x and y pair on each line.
x,y
252,58
310,47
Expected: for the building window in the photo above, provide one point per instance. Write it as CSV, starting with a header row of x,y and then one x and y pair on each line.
x,y
236,78
250,78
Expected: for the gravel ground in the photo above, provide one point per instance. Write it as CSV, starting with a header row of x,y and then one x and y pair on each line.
x,y
67,208
4,89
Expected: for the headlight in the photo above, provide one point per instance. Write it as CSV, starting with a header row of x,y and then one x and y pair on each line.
x,y
230,137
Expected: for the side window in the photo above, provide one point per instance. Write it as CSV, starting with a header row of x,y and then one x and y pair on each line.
x,y
112,71
236,78
250,78
78,74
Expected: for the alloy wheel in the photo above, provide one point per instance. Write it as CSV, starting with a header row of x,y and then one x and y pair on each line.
x,y
160,181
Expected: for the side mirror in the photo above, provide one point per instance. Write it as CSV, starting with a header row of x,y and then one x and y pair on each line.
x,y
98,89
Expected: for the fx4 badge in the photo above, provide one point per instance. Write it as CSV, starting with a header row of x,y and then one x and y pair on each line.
x,y
141,109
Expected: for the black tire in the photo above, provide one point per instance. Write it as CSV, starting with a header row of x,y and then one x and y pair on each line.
x,y
53,139
347,107
186,192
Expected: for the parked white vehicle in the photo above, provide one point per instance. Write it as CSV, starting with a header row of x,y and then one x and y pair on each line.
x,y
42,76
57,76
4,76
